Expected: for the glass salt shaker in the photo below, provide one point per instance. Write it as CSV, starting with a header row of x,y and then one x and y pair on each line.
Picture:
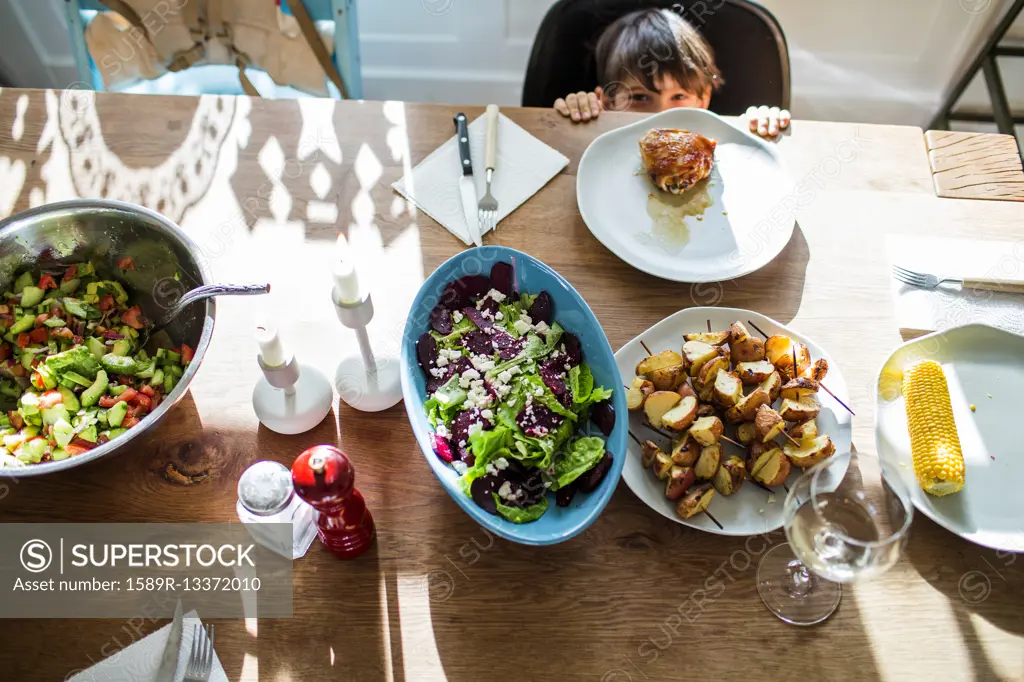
x,y
266,496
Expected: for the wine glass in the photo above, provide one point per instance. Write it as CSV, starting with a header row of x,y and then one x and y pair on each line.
x,y
839,530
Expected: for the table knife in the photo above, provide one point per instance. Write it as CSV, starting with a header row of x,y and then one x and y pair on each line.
x,y
169,660
466,186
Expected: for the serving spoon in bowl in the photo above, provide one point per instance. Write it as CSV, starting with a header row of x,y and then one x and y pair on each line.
x,y
201,293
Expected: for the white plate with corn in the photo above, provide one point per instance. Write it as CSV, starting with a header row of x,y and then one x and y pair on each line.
x,y
947,406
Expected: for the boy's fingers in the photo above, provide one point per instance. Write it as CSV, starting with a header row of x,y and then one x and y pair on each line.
x,y
574,107
561,107
583,102
762,120
752,118
595,104
784,118
773,121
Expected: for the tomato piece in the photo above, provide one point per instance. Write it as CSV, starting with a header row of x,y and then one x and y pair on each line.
x,y
46,282
142,403
107,401
126,263
23,340
5,351
62,333
124,380
133,318
148,390
40,319
70,273
37,380
76,447
129,422
106,303
50,398
39,335
16,420
186,354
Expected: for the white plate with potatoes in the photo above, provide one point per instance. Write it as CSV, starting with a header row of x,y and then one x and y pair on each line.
x,y
984,367
724,419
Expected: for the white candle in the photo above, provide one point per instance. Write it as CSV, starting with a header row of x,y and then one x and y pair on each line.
x,y
346,280
272,351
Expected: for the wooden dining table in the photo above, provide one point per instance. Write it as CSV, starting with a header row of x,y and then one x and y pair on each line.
x,y
266,187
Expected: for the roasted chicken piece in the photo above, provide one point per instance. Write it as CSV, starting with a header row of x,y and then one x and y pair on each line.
x,y
676,159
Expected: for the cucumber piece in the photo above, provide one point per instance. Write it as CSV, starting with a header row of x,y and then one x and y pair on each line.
x,y
118,364
29,403
158,378
59,454
24,280
33,451
77,379
31,296
169,357
49,381
116,414
121,347
70,286
169,381
89,434
23,324
91,395
112,433
117,389
145,370
26,360
53,322
95,347
52,415
81,309
69,398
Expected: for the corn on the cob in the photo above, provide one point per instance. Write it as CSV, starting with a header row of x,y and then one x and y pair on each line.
x,y
938,461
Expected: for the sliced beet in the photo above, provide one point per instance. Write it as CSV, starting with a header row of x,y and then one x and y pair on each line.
x,y
441,320
603,416
443,449
462,422
491,306
573,349
478,343
503,278
563,496
467,456
454,297
512,351
541,310
537,420
426,352
482,490
473,286
478,319
589,481
550,373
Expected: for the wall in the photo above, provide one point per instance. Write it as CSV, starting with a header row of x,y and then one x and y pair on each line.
x,y
871,60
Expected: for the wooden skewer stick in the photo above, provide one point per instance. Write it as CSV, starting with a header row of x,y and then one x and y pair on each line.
x,y
791,439
762,486
730,440
633,436
720,526
709,325
645,347
823,386
663,434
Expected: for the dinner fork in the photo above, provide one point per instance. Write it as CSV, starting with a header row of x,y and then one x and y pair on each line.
x,y
200,661
924,280
489,205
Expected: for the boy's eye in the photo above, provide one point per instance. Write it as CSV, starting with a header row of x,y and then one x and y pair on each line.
x,y
639,97
680,96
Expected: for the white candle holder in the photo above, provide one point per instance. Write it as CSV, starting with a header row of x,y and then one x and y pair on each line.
x,y
289,398
365,382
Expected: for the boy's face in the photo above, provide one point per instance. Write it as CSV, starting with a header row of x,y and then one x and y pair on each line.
x,y
631,95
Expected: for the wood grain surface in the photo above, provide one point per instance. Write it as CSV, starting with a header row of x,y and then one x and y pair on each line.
x,y
975,165
635,597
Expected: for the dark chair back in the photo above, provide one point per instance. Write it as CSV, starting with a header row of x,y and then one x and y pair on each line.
x,y
750,49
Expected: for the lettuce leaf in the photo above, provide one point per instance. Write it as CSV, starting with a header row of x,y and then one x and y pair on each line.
x,y
583,454
522,514
526,300
581,382
444,404
553,336
459,329
479,469
484,444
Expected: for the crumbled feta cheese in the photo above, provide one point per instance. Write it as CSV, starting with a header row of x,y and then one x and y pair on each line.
x,y
487,414
503,391
460,467
457,316
547,484
482,363
496,295
526,318
504,376
475,428
436,372
541,327
464,382
562,348
441,362
505,490
538,391
521,326
442,431
567,367
499,315
501,463
514,370
471,374
491,469
462,443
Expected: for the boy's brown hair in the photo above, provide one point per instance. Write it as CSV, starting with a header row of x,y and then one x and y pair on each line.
x,y
650,44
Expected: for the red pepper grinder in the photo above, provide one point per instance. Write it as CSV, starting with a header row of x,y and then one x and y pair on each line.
x,y
324,477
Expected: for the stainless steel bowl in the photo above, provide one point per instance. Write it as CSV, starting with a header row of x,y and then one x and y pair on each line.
x,y
167,264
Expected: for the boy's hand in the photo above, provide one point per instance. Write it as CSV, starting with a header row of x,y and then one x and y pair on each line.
x,y
767,122
581,106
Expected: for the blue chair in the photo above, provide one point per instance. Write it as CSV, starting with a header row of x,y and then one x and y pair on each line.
x,y
223,79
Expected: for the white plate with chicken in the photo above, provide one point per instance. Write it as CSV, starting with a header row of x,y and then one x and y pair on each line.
x,y
720,422
686,196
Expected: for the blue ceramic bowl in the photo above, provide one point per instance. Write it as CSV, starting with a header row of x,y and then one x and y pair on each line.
x,y
574,315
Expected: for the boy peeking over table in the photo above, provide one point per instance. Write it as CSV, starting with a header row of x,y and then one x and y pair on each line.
x,y
638,78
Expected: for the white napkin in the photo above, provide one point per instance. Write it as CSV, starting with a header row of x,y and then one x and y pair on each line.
x,y
525,165
140,661
919,311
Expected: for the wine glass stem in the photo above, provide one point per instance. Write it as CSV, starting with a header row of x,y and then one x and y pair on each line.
x,y
801,582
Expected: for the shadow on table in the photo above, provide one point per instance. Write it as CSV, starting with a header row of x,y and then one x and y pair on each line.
x,y
975,580
777,289
627,600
